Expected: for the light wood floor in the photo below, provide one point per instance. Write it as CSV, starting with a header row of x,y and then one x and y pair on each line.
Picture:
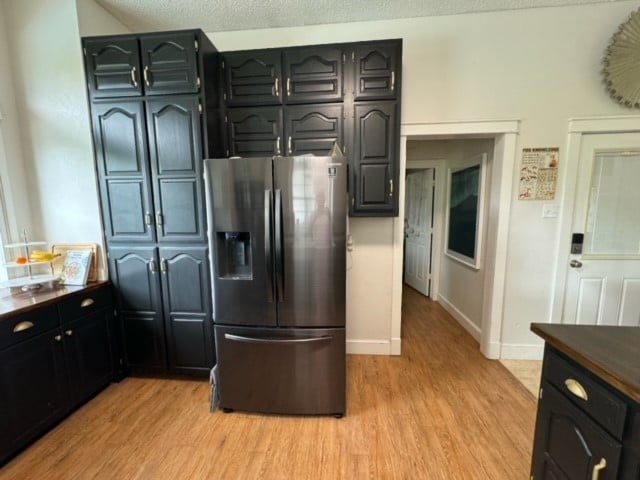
x,y
439,411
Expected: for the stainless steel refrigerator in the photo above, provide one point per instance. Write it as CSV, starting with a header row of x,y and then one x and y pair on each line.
x,y
277,233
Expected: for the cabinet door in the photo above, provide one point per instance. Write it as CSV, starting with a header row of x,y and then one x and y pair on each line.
x,y
568,444
313,75
169,63
33,386
313,129
123,169
253,78
136,276
187,306
175,149
376,73
375,166
88,354
255,132
112,66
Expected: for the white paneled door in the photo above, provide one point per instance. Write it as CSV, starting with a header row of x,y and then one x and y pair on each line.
x,y
418,229
603,281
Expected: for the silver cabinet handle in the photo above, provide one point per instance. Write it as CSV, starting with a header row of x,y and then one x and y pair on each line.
x,y
288,87
147,218
393,81
87,302
145,73
597,468
152,266
576,388
278,146
289,145
391,187
68,333
158,218
163,265
133,77
58,338
22,326
276,87
575,264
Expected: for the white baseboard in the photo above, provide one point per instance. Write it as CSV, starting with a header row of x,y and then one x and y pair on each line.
x,y
369,347
462,319
521,351
396,346
493,350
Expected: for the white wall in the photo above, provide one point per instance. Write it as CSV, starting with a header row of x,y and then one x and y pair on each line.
x,y
95,20
48,74
540,66
12,168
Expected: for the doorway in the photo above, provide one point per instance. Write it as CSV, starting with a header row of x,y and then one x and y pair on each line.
x,y
504,136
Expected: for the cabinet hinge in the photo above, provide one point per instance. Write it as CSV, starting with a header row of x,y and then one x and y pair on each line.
x,y
85,51
540,394
224,96
353,201
108,255
344,58
226,119
223,64
195,44
197,82
353,56
200,108
227,152
115,313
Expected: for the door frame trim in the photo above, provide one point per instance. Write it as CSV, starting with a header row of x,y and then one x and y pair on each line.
x,y
576,129
505,133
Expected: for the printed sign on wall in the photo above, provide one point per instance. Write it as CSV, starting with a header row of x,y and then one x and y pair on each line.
x,y
539,173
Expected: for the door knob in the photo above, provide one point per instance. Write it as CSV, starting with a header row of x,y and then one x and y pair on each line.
x,y
575,264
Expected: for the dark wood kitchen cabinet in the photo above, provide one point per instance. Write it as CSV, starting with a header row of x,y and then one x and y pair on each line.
x,y
294,130
588,421
149,158
163,304
299,100
56,351
150,144
150,64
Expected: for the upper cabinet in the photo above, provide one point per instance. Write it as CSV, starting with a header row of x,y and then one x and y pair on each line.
x,y
292,75
376,74
151,64
302,100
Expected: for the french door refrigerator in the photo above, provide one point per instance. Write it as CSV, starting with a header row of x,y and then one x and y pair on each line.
x,y
277,233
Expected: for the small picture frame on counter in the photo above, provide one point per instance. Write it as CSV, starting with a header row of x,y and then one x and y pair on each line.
x,y
75,269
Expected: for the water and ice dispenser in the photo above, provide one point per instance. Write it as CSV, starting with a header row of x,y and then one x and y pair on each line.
x,y
234,255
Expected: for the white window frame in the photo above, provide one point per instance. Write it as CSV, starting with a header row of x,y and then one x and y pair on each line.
x,y
5,233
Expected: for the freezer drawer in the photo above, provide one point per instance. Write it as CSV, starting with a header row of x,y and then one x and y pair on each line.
x,y
286,371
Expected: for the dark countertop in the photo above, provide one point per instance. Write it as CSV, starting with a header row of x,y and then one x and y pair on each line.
x,y
14,303
612,353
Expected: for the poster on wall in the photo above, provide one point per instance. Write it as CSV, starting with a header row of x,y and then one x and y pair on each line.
x,y
539,173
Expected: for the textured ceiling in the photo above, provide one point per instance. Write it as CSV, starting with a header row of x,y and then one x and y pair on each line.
x,y
227,15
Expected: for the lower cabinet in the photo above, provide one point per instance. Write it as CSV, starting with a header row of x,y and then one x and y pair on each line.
x,y
52,359
163,305
585,428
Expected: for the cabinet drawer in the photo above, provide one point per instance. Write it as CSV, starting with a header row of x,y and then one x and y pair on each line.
x,y
84,303
601,404
27,325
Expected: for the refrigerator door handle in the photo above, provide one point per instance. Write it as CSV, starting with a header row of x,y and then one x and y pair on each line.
x,y
241,338
268,215
279,247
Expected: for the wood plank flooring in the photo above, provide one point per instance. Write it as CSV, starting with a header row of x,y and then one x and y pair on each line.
x,y
439,411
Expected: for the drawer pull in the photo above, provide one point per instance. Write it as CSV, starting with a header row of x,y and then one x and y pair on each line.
x,y
597,468
22,326
58,338
578,390
87,302
68,333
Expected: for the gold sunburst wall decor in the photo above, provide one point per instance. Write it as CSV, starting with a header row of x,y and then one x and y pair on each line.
x,y
622,63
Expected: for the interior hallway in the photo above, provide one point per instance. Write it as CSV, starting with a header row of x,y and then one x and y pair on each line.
x,y
439,411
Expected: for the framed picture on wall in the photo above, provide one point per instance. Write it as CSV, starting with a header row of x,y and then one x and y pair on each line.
x,y
464,219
